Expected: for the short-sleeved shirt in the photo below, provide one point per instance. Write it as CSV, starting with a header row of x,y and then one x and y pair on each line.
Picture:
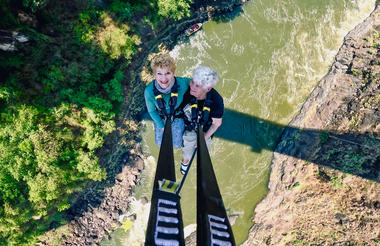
x,y
216,107
151,103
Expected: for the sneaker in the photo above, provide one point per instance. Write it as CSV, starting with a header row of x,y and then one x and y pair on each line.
x,y
184,168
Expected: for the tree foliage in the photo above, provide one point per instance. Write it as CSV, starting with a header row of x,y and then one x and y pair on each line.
x,y
58,101
57,104
113,87
176,9
43,157
122,9
35,5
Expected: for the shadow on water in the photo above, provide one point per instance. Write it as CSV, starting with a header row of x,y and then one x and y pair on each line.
x,y
353,153
227,17
234,11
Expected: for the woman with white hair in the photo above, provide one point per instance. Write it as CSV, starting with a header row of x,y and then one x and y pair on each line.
x,y
201,103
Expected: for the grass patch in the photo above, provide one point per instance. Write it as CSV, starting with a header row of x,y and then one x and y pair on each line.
x,y
375,34
353,162
354,122
332,152
356,72
336,182
323,137
296,184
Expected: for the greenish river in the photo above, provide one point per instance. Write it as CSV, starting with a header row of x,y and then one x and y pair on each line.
x,y
269,56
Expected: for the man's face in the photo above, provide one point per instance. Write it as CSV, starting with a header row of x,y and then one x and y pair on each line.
x,y
164,77
197,91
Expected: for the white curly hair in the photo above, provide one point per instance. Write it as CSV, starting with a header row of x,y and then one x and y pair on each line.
x,y
205,77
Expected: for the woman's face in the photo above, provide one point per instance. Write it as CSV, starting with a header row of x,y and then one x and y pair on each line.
x,y
164,77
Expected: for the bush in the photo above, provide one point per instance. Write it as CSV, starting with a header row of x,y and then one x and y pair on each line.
x,y
122,9
117,43
113,87
176,9
35,5
44,156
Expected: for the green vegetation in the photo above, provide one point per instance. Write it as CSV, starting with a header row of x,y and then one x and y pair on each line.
x,y
126,225
356,72
323,137
375,34
299,242
332,152
372,39
58,101
336,181
353,162
296,184
34,5
176,9
354,121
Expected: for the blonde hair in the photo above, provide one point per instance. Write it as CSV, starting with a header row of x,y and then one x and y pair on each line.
x,y
205,77
163,60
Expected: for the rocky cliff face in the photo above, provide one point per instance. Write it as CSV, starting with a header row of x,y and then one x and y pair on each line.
x,y
325,178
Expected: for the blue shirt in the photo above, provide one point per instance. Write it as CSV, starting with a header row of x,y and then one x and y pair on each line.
x,y
151,103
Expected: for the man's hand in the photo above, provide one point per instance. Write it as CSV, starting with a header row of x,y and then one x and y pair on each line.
x,y
216,122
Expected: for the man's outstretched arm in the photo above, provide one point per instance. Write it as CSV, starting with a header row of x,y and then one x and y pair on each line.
x,y
216,122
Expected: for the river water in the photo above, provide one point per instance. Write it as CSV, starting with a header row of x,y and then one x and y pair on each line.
x,y
269,56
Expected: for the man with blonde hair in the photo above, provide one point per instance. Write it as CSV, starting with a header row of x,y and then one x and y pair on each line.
x,y
163,97
201,104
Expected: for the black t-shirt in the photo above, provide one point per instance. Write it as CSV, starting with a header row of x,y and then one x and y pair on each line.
x,y
216,107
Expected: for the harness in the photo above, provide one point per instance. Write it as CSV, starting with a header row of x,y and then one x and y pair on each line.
x,y
198,116
161,102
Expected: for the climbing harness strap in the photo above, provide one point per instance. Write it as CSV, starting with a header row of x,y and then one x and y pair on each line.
x,y
161,102
187,171
199,116
165,225
213,226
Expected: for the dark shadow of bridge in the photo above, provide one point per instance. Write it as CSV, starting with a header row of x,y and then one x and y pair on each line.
x,y
353,153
